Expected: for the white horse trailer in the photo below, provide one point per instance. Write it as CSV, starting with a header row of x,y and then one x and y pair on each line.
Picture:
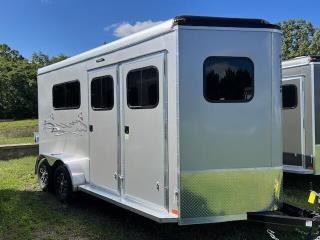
x,y
301,115
180,122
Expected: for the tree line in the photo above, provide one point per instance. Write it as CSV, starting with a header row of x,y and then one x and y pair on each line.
x,y
18,82
18,75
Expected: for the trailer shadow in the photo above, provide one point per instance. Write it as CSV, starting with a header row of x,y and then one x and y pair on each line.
x,y
91,218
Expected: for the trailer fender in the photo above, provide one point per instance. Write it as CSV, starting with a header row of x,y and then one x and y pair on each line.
x,y
77,166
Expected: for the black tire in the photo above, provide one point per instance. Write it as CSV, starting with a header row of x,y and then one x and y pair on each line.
x,y
62,184
44,174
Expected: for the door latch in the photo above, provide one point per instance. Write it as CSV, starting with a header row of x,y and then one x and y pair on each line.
x,y
126,130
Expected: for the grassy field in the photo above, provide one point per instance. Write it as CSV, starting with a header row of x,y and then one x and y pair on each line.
x,y
20,131
27,213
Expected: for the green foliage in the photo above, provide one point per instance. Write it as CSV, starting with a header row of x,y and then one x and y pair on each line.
x,y
9,54
18,82
315,46
300,38
18,89
41,59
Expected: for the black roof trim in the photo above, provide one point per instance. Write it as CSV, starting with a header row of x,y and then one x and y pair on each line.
x,y
223,22
314,58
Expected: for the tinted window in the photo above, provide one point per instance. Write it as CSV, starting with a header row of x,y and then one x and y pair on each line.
x,y
228,79
102,93
289,96
143,88
66,95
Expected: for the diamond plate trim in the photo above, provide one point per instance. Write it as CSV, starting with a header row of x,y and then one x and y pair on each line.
x,y
221,193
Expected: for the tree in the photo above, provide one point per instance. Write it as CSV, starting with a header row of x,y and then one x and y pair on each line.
x,y
18,82
58,58
9,54
315,46
42,59
300,38
18,89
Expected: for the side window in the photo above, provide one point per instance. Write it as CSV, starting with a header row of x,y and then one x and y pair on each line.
x,y
102,97
66,95
143,88
289,96
228,79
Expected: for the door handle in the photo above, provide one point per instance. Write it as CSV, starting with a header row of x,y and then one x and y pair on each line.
x,y
91,128
126,130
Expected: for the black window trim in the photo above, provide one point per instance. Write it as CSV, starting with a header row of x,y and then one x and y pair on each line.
x,y
102,109
67,108
228,101
296,90
141,69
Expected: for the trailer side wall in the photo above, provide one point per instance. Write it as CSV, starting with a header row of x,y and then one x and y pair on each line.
x,y
308,115
228,163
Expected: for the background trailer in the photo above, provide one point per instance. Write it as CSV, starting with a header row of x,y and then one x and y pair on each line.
x,y
180,122
301,114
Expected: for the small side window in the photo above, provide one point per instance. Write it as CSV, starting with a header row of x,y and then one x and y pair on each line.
x,y
143,88
66,95
228,79
102,93
289,96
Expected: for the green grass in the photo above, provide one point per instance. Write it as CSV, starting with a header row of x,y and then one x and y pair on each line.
x,y
28,213
16,132
15,140
11,125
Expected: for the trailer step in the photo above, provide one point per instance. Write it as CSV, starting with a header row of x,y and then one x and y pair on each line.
x,y
297,169
159,215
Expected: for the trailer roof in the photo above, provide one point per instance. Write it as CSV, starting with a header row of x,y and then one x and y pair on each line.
x,y
158,30
300,61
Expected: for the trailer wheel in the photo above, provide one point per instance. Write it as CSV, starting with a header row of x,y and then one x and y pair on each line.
x,y
62,184
44,175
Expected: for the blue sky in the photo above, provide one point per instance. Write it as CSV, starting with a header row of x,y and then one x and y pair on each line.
x,y
74,26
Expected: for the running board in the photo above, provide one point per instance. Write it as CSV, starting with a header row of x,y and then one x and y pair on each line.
x,y
288,215
158,215
297,169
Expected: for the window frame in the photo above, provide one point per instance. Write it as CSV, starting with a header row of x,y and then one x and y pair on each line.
x,y
66,108
296,91
227,101
113,91
158,99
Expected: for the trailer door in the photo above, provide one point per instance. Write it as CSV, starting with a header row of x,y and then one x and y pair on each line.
x,y
143,130
103,117
293,121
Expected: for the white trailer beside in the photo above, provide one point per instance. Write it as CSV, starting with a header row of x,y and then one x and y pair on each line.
x,y
300,115
180,122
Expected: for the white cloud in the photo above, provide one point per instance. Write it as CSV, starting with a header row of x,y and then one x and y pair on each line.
x,y
124,29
